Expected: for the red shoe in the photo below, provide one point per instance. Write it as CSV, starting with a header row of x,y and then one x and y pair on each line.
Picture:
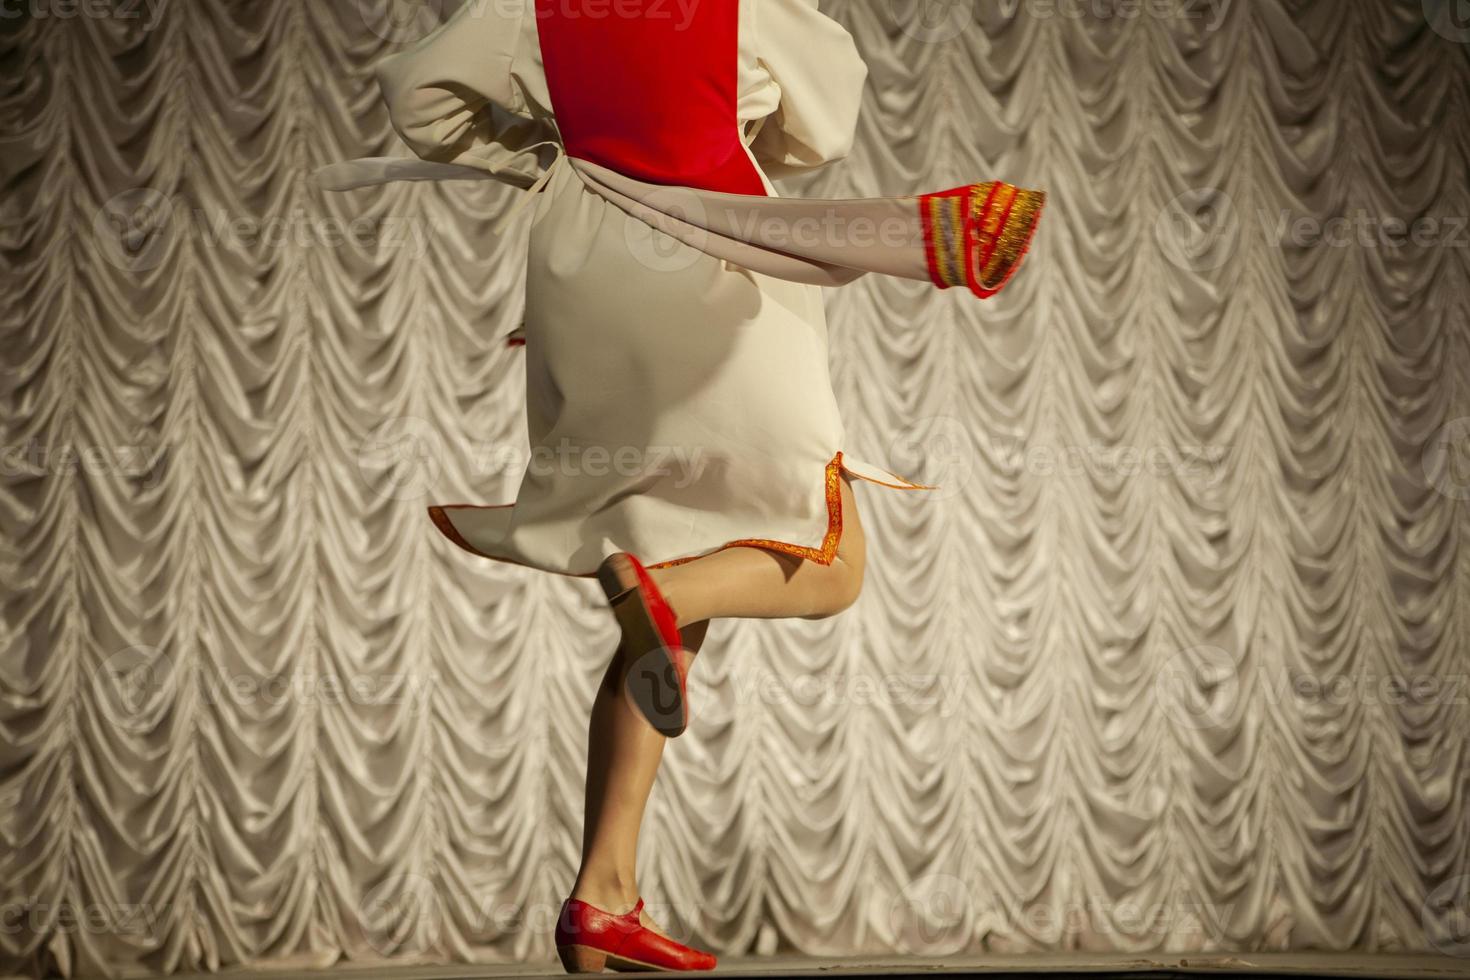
x,y
588,939
658,671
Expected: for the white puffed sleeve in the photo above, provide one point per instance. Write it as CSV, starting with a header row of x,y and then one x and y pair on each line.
x,y
469,100
815,64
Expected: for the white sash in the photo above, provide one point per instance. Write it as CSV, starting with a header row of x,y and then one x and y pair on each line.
x,y
973,235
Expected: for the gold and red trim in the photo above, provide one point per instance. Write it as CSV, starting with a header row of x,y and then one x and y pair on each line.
x,y
977,234
446,526
903,485
823,554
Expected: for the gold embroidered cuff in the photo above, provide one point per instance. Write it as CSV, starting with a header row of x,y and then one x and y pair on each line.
x,y
976,235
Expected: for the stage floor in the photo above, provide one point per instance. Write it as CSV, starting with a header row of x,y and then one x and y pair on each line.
x,y
1133,967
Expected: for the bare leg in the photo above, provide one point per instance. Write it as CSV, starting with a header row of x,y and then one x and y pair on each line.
x,y
758,584
624,750
623,753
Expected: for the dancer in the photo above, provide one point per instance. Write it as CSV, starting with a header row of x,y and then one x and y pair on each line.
x,y
687,450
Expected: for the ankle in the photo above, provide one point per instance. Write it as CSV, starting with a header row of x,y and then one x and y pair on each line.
x,y
613,892
663,578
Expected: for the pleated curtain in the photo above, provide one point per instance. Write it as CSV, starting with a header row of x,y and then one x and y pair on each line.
x,y
1176,659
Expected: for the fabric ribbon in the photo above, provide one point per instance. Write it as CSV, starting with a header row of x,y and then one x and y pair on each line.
x,y
961,236
505,221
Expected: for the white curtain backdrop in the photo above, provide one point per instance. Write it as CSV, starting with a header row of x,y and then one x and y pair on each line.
x,y
1176,661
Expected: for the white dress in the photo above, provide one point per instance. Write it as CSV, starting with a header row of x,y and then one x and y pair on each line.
x,y
677,402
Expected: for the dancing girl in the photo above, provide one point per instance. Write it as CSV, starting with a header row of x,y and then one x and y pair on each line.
x,y
673,312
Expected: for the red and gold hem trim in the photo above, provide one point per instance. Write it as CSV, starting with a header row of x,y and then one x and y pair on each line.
x,y
823,554
976,235
446,526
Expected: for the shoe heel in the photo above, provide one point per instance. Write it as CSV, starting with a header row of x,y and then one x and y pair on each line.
x,y
581,959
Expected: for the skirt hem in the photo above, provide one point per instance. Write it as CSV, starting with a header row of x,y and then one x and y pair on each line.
x,y
823,554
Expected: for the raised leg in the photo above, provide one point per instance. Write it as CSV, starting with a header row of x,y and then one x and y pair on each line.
x,y
755,583
624,750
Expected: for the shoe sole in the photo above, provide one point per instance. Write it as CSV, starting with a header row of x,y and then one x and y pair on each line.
x,y
589,959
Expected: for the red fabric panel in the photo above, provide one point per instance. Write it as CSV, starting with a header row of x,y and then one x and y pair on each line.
x,y
648,88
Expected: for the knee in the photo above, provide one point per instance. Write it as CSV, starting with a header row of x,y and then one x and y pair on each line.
x,y
844,585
